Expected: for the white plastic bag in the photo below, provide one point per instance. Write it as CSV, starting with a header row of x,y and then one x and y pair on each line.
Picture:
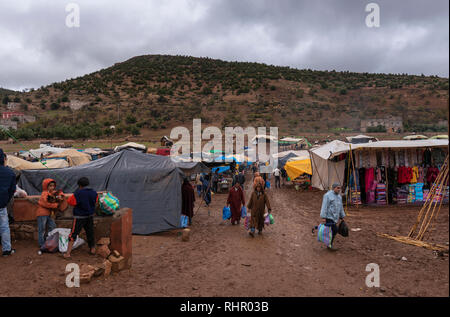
x,y
64,239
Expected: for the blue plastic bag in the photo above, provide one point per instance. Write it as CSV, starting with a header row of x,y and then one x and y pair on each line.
x,y
226,213
267,184
243,212
184,221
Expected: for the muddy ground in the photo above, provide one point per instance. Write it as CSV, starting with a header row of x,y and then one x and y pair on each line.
x,y
223,260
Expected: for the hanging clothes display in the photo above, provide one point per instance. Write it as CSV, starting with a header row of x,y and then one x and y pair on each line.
x,y
372,159
405,154
362,183
420,175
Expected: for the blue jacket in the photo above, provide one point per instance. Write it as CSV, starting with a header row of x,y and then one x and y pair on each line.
x,y
332,207
84,201
7,183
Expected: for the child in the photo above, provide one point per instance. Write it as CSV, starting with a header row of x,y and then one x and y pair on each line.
x,y
47,204
84,200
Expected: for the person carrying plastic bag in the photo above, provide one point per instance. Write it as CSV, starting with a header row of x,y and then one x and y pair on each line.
x,y
257,206
332,210
235,201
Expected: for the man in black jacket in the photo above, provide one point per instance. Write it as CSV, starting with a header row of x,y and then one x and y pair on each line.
x,y
7,189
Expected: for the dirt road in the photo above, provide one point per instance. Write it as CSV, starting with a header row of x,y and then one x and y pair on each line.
x,y
222,260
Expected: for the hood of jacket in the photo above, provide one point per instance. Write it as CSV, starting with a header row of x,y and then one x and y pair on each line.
x,y
46,182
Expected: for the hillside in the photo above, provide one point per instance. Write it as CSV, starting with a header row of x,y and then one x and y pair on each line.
x,y
157,92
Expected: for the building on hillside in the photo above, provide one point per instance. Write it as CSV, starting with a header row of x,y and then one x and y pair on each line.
x,y
12,114
13,106
21,117
392,124
6,124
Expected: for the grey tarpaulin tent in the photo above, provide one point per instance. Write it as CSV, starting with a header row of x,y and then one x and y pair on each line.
x,y
149,184
192,167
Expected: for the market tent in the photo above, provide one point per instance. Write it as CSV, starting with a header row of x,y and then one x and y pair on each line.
x,y
327,172
192,167
137,146
20,164
296,168
220,169
291,140
148,184
336,147
44,150
415,137
263,138
440,137
284,157
361,139
73,157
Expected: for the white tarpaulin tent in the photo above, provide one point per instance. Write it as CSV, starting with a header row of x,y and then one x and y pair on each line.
x,y
130,145
291,140
45,150
327,172
263,138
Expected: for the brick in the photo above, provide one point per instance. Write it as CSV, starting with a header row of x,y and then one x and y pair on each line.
x,y
104,241
103,251
99,270
86,273
86,277
121,233
107,265
118,263
185,235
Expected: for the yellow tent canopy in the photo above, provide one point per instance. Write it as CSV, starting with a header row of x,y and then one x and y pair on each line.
x,y
19,164
72,156
296,168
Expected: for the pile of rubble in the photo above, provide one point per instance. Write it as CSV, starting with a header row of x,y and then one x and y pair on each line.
x,y
113,261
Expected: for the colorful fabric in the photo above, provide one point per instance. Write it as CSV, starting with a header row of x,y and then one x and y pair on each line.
x,y
325,235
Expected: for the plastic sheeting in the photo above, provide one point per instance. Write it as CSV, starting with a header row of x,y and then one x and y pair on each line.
x,y
296,168
148,184
73,157
19,164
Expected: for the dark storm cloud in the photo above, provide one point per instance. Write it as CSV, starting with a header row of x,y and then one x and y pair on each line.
x,y
38,49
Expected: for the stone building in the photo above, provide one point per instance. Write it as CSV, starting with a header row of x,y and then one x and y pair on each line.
x,y
6,124
392,124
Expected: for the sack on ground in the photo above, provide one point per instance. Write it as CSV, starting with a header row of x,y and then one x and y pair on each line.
x,y
63,240
267,184
226,213
108,204
51,244
243,212
184,221
324,234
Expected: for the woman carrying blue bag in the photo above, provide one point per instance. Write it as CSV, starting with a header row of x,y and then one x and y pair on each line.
x,y
235,201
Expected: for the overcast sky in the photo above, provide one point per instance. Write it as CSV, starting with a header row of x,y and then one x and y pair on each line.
x,y
37,48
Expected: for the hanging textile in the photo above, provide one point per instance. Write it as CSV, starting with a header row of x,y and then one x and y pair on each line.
x,y
373,159
405,154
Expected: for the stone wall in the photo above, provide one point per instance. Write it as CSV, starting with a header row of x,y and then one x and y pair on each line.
x,y
117,228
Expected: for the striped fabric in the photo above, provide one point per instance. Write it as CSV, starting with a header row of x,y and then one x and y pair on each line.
x,y
108,203
324,234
